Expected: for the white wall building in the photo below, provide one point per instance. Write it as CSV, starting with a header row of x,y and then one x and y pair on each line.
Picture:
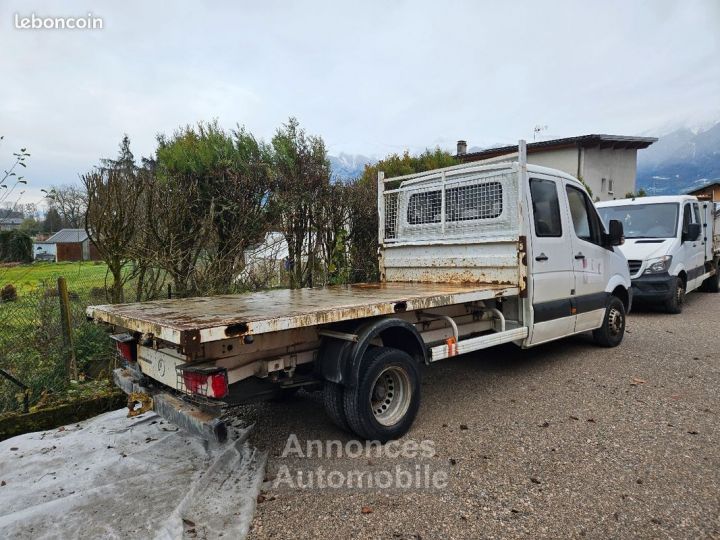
x,y
606,163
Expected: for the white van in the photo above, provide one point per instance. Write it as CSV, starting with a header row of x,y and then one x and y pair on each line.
x,y
471,257
671,245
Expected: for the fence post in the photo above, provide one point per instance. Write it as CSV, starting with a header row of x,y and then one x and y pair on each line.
x,y
66,330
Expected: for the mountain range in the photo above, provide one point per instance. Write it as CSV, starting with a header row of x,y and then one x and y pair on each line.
x,y
348,166
682,160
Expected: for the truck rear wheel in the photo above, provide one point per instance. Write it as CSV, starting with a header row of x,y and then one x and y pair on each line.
x,y
334,401
384,403
675,303
611,333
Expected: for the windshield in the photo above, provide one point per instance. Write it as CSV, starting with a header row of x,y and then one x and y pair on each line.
x,y
644,220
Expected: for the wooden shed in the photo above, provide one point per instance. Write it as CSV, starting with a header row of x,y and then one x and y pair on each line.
x,y
73,245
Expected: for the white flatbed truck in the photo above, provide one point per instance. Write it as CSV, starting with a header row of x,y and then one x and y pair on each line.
x,y
471,256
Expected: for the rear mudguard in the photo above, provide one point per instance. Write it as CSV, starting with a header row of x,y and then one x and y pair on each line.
x,y
339,360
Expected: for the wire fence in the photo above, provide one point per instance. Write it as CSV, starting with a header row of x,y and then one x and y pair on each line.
x,y
45,355
46,351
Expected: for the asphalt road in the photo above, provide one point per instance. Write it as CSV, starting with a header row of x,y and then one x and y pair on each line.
x,y
565,440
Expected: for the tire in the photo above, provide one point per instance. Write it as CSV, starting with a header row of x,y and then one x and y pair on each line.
x,y
712,284
384,403
334,401
611,333
675,304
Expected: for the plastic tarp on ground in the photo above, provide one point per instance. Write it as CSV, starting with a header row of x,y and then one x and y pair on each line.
x,y
115,477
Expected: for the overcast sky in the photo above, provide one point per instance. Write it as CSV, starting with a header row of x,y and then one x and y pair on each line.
x,y
369,77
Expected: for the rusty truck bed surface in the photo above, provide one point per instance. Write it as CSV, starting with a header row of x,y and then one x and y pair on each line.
x,y
191,321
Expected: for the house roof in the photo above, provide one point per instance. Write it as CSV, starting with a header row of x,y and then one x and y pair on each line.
x,y
582,141
67,236
704,187
11,220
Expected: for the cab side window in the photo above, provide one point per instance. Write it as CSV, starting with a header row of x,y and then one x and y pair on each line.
x,y
546,208
585,219
696,213
687,218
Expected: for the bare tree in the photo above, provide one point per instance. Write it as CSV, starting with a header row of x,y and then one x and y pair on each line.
x,y
10,181
114,192
70,202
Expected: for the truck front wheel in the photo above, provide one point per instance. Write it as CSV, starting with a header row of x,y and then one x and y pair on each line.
x,y
611,333
384,403
675,303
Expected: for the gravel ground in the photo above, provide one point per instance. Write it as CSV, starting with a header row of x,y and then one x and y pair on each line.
x,y
567,439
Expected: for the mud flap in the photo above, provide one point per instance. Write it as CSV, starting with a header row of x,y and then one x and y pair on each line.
x,y
186,416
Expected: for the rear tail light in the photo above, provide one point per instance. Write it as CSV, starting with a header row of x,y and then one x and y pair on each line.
x,y
209,382
126,346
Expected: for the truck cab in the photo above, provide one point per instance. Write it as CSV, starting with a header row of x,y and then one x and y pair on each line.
x,y
669,246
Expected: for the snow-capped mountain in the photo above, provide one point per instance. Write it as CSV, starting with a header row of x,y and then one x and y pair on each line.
x,y
679,161
348,166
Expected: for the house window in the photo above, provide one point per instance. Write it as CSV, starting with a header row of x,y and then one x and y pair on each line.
x,y
603,185
610,187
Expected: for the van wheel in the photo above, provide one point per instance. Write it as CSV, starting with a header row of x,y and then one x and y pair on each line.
x,y
675,303
712,284
334,401
384,403
611,333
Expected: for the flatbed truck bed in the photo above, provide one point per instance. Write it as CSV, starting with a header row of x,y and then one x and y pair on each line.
x,y
189,322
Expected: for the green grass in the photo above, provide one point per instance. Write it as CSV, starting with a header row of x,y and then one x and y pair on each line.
x,y
31,345
80,276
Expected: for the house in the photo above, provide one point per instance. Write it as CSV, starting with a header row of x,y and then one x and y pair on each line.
x,y
606,163
10,223
67,245
709,192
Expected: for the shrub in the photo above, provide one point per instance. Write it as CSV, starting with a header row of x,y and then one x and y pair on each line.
x,y
8,293
15,246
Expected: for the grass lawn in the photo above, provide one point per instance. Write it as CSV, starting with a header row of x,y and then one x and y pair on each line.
x,y
80,276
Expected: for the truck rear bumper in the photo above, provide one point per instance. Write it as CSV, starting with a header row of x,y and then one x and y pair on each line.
x,y
189,417
653,288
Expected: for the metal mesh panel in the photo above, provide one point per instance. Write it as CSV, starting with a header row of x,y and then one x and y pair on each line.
x,y
477,201
481,204
391,206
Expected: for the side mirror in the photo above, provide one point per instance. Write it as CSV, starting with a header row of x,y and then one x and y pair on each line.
x,y
615,235
692,233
